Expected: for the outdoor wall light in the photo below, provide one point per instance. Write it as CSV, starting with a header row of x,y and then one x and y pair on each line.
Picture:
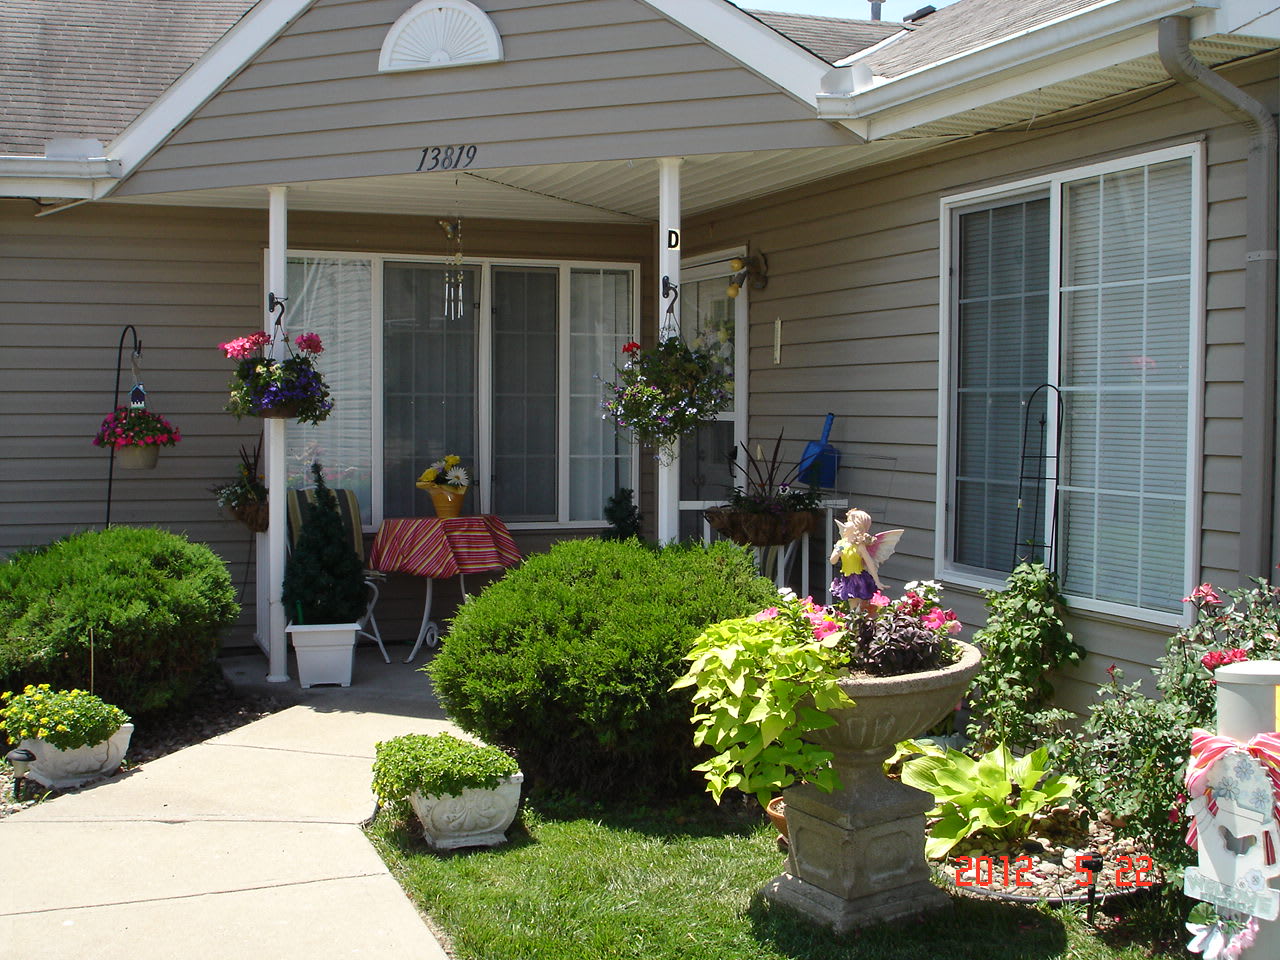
x,y
21,760
754,269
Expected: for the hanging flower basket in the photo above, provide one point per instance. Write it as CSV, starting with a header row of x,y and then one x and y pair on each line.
x,y
137,435
245,498
263,386
663,392
761,529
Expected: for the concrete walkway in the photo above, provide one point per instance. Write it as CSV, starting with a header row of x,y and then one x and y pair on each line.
x,y
246,846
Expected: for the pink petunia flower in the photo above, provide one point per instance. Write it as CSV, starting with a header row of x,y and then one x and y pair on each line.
x,y
878,599
767,614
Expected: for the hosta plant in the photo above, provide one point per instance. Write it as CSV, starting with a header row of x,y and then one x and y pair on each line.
x,y
66,719
997,795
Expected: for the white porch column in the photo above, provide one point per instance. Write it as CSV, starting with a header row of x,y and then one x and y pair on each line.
x,y
272,543
669,325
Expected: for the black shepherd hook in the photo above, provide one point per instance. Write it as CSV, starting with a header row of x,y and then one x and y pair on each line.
x,y
134,357
671,290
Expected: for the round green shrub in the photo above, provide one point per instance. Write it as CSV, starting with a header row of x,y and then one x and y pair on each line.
x,y
569,660
153,601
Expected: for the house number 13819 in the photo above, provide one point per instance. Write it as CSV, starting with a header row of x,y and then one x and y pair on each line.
x,y
456,157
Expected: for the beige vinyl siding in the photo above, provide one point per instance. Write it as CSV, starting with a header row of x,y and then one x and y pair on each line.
x,y
188,280
581,80
853,277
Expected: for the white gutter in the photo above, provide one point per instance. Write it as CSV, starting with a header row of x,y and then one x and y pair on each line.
x,y
966,80
57,177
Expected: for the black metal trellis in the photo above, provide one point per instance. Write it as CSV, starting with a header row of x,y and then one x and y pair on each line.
x,y
137,397
1038,468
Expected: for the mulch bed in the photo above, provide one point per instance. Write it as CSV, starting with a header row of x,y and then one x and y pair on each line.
x,y
1045,867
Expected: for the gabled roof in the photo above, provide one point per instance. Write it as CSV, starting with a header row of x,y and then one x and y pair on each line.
x,y
830,38
85,69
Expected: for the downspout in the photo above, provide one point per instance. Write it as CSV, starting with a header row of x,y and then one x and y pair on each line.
x,y
1258,520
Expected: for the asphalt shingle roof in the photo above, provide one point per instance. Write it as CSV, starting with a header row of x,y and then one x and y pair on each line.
x,y
87,68
964,26
830,38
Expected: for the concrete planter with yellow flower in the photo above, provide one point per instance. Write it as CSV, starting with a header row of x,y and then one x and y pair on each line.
x,y
74,736
447,482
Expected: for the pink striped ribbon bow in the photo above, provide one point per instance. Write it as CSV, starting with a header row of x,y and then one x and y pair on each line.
x,y
1207,748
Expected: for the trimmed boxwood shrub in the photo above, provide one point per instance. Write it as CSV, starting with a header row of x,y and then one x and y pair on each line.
x,y
154,601
568,660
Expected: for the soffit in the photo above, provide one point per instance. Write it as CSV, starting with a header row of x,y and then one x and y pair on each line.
x,y
602,192
1129,77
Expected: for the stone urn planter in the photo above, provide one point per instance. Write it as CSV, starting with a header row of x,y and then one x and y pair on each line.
x,y
63,769
477,817
857,855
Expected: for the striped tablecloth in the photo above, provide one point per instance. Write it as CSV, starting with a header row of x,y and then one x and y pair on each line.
x,y
431,547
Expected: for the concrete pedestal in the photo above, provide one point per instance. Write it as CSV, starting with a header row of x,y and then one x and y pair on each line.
x,y
857,855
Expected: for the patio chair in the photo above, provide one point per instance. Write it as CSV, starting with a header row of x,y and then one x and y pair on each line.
x,y
298,504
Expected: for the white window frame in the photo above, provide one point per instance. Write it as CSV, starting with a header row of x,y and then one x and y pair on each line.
x,y
712,266
484,372
1053,185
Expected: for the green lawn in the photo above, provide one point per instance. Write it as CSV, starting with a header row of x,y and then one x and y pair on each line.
x,y
581,883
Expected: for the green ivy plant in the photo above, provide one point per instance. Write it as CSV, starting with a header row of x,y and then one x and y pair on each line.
x,y
995,796
440,765
760,684
1024,639
66,719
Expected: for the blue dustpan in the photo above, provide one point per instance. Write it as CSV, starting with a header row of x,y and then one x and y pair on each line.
x,y
820,460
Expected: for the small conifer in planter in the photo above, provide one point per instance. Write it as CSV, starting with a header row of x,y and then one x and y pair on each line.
x,y
324,592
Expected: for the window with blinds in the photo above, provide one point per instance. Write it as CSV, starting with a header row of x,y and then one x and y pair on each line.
x,y
1086,284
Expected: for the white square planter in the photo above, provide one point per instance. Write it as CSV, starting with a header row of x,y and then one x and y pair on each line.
x,y
473,818
325,652
61,769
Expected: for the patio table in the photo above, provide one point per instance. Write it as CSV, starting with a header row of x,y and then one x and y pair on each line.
x,y
437,549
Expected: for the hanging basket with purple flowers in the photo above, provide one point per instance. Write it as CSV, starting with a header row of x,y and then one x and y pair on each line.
x,y
664,391
263,386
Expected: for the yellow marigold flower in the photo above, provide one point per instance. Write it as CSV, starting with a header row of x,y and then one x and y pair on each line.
x,y
452,460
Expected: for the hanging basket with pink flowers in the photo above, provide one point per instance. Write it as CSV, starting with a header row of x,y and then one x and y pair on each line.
x,y
136,435
264,386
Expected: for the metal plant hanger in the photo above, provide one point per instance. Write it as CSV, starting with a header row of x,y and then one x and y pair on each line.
x,y
137,397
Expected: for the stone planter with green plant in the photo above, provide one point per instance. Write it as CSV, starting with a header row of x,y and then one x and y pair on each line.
x,y
465,794
74,736
811,700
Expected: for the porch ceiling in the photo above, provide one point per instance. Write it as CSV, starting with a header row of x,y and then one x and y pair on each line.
x,y
621,191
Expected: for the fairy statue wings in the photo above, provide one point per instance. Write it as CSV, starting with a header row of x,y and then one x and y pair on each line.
x,y
858,550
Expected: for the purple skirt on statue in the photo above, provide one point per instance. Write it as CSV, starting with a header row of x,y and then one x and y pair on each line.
x,y
853,586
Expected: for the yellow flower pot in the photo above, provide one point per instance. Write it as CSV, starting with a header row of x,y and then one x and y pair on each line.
x,y
447,500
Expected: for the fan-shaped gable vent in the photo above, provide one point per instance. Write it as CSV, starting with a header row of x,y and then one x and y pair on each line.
x,y
440,33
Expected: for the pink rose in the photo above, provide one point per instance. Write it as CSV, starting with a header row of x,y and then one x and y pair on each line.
x,y
1203,594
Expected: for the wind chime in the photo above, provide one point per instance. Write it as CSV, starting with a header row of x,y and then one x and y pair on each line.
x,y
455,276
